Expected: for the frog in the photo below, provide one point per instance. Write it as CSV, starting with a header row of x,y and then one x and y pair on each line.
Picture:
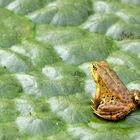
x,y
113,101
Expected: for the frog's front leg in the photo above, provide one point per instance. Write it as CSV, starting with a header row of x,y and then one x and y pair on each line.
x,y
112,112
96,101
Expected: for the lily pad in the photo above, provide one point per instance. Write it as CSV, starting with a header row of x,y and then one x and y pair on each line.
x,y
46,47
63,12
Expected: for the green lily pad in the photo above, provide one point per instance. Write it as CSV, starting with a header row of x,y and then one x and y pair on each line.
x,y
121,30
63,12
58,35
130,46
71,109
100,22
7,37
4,3
122,58
38,53
46,47
129,15
107,6
38,117
13,62
9,131
135,2
8,112
9,87
25,6
90,46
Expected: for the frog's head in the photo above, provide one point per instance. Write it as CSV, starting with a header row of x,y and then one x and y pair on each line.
x,y
96,68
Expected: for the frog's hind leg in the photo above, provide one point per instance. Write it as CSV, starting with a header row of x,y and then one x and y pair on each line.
x,y
115,117
113,112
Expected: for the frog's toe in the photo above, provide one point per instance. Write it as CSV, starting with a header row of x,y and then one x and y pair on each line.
x,y
92,101
93,108
137,96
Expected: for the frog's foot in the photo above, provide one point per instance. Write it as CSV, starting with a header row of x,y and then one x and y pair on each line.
x,y
136,96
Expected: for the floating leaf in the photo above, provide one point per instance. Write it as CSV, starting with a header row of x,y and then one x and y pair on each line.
x,y
46,47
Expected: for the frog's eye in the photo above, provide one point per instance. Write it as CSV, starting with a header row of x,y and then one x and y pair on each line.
x,y
94,67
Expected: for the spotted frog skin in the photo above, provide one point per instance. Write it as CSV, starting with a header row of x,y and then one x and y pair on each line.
x,y
113,101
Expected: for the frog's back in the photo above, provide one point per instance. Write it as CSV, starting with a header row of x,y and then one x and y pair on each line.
x,y
114,85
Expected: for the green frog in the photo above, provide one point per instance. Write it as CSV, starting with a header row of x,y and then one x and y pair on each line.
x,y
113,101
